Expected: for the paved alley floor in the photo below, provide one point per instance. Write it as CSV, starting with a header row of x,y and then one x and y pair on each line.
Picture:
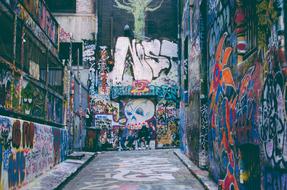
x,y
135,170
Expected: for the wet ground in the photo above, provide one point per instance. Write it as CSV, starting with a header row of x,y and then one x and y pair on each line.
x,y
135,170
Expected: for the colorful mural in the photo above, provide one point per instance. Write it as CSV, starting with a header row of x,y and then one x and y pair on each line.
x,y
137,71
33,99
247,96
167,124
10,85
27,150
147,68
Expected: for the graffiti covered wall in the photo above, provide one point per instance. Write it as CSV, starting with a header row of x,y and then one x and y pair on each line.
x,y
27,150
138,112
247,96
139,70
194,118
148,68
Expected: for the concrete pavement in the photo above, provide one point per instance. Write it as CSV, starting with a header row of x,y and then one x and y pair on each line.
x,y
135,170
201,175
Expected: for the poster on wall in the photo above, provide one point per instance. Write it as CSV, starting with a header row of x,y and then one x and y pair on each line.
x,y
103,121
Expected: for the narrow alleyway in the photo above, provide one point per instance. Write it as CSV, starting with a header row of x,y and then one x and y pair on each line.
x,y
135,170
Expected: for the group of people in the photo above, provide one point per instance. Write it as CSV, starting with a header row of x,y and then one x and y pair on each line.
x,y
135,139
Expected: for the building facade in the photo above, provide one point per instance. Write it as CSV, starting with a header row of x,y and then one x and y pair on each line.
x,y
78,20
33,135
135,81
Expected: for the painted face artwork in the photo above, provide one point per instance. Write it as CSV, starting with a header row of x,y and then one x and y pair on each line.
x,y
139,111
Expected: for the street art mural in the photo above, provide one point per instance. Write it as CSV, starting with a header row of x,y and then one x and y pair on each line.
x,y
102,106
106,119
137,71
27,150
10,85
33,99
98,82
167,124
20,95
147,68
162,92
222,111
247,96
138,112
103,69
147,60
138,9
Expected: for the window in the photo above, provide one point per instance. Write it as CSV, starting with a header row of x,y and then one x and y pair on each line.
x,y
55,74
34,57
6,36
77,52
19,42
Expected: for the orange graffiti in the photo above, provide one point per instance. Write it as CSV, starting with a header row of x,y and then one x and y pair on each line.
x,y
222,78
140,86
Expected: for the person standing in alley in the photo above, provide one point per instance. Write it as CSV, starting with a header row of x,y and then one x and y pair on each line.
x,y
124,134
143,136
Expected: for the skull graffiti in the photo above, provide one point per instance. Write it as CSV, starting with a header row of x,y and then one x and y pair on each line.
x,y
139,111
